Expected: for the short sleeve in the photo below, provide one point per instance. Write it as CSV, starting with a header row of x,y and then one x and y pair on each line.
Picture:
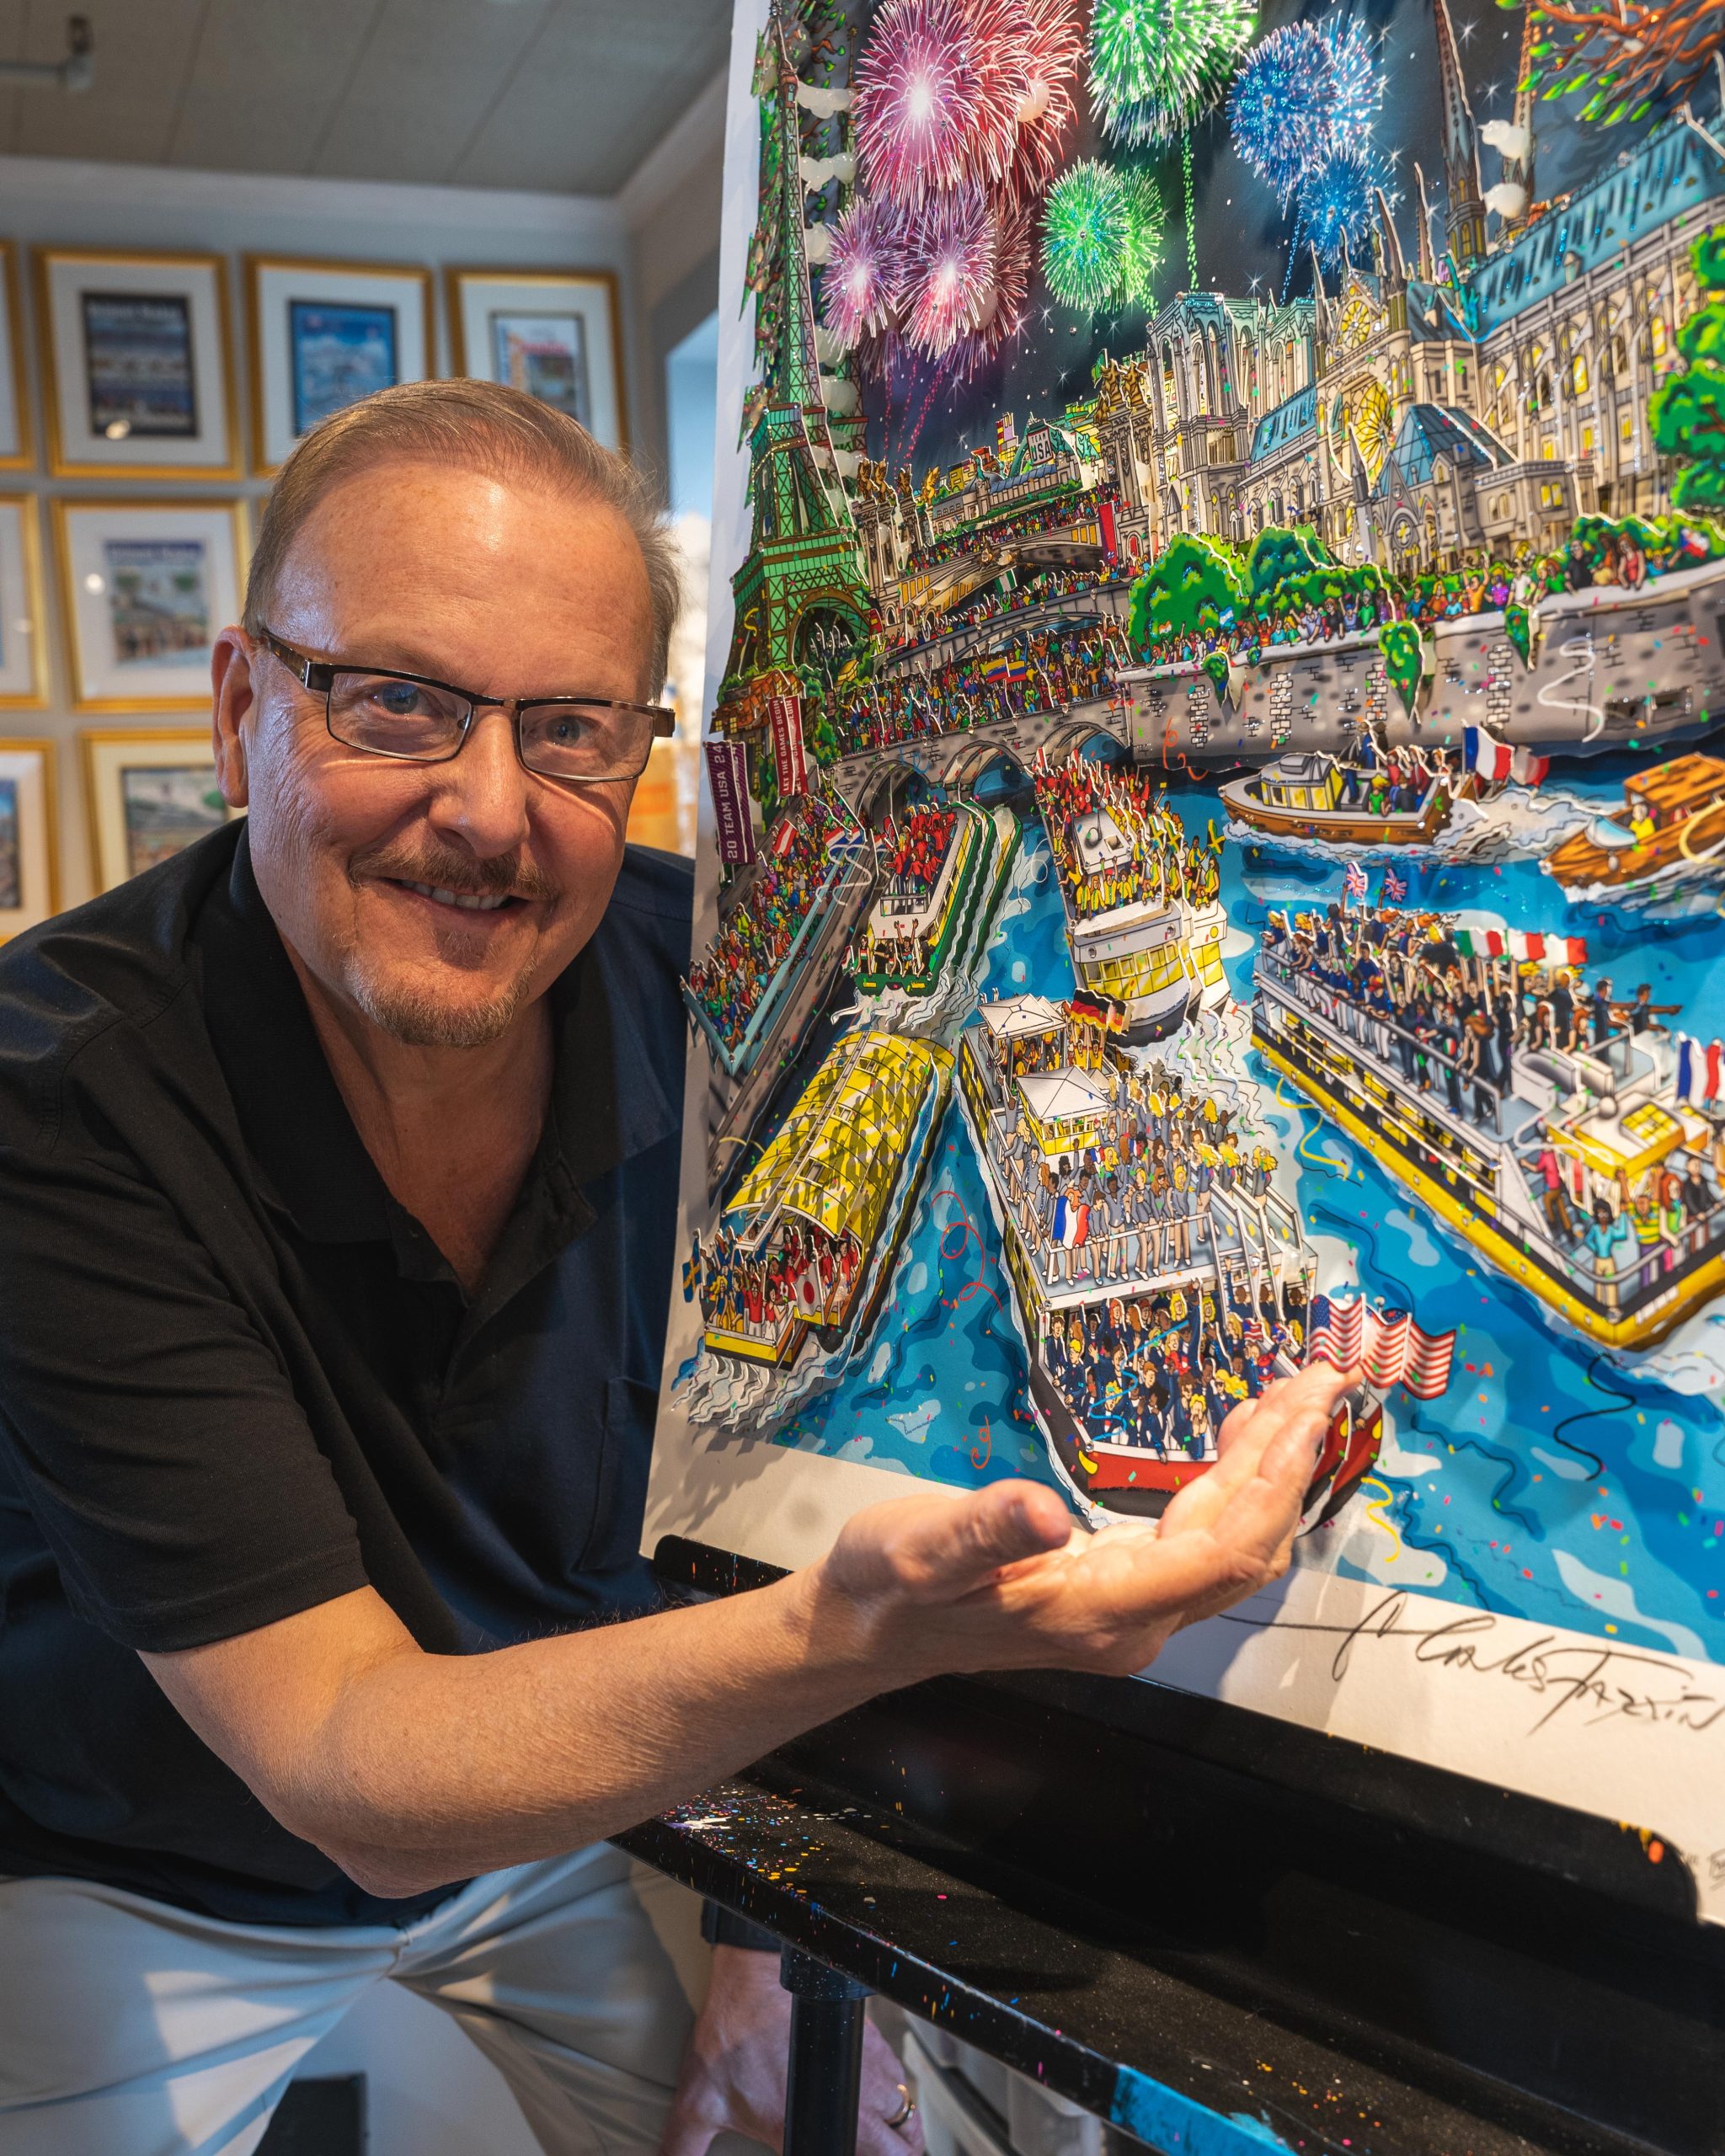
x,y
146,1425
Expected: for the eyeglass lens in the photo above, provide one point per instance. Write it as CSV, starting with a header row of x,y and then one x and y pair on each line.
x,y
391,717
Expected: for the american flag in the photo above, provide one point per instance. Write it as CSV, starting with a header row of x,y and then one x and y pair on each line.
x,y
1395,886
1386,1345
1354,882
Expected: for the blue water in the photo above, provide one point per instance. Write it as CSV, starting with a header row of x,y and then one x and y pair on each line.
x,y
1553,1482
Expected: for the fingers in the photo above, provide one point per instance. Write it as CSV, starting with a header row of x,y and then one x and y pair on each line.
x,y
885,2087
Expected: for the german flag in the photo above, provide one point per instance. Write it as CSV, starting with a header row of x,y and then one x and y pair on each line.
x,y
1086,1011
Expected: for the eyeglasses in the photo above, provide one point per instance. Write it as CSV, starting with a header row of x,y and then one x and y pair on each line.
x,y
585,739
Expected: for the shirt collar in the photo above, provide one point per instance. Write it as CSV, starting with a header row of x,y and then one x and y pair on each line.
x,y
607,1103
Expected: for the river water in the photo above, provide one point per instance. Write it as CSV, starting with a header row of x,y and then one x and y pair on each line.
x,y
1553,1481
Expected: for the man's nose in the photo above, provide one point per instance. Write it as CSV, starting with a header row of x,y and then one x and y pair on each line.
x,y
484,796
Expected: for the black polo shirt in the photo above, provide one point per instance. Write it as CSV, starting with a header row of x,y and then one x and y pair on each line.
x,y
238,1378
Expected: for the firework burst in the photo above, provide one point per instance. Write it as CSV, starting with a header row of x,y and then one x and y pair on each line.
x,y
860,286
1308,91
1337,202
1002,315
1049,42
1086,226
1279,108
933,108
1156,65
949,266
1146,225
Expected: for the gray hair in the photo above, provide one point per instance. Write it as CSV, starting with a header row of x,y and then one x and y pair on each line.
x,y
478,426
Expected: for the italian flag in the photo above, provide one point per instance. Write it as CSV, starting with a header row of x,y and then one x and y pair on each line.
x,y
1523,945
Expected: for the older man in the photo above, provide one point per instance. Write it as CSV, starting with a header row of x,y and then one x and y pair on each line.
x,y
337,1159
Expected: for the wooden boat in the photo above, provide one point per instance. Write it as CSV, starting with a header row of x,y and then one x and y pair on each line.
x,y
1300,797
1673,824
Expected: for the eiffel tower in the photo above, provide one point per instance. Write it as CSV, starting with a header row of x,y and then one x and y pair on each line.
x,y
803,561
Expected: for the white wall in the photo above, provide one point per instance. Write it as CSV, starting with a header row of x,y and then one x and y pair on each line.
x,y
54,201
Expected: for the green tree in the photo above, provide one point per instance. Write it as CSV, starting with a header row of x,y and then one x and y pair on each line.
x,y
1688,414
1190,588
1280,553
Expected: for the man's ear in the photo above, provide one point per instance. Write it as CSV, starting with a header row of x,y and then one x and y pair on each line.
x,y
233,703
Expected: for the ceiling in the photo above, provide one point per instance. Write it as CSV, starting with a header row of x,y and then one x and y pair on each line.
x,y
566,96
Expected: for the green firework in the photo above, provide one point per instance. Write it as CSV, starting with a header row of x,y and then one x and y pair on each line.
x,y
1146,226
1087,227
1156,65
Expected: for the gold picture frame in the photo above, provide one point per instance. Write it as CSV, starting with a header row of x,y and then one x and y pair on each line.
x,y
14,395
189,296
148,540
132,828
29,836
284,402
24,682
465,296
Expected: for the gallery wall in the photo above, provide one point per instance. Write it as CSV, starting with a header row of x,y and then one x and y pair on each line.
x,y
57,203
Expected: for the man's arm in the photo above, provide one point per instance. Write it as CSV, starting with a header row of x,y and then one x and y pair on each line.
x,y
409,1770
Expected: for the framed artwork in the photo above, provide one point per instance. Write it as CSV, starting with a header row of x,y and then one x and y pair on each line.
x,y
137,373
24,653
15,453
146,587
149,791
29,871
556,334
325,334
1221,790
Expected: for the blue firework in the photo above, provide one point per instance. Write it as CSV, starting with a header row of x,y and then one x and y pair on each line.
x,y
1336,202
1308,91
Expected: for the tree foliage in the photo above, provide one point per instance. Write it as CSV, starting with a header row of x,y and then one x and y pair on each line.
x,y
1191,587
1688,413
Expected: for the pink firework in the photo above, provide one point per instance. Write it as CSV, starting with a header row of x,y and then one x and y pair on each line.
x,y
860,286
932,109
949,271
1049,42
1002,317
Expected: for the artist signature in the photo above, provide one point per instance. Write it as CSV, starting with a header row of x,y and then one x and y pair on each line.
x,y
1603,1683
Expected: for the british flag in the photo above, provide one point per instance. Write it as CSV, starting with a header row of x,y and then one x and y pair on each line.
x,y
1354,882
1395,886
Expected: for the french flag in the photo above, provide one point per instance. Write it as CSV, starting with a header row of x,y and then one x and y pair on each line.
x,y
1490,758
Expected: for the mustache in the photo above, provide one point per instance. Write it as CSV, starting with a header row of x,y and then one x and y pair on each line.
x,y
508,875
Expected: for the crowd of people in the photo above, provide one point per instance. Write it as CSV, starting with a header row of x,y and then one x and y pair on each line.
x,y
1137,1208
1163,1371
1455,1024
754,1294
1030,588
1030,673
1144,855
756,936
895,939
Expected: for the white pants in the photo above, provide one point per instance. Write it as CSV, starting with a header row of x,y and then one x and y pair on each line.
x,y
131,2028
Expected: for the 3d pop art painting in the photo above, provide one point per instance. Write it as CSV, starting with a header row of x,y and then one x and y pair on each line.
x,y
1214,846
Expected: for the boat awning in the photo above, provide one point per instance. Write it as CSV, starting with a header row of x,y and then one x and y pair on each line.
x,y
836,1156
1017,1017
1063,1097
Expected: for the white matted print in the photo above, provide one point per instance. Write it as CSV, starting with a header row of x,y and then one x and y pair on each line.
x,y
15,420
23,680
137,372
150,792
146,586
29,881
554,334
325,334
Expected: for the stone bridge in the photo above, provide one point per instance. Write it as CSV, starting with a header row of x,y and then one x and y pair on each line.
x,y
875,780
1105,602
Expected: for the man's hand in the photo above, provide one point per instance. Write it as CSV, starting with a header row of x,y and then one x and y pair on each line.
x,y
733,2071
999,1580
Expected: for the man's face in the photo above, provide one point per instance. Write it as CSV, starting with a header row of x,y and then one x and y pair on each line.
x,y
501,589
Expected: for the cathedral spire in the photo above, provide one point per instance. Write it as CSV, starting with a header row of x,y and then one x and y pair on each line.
x,y
1464,210
1428,268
